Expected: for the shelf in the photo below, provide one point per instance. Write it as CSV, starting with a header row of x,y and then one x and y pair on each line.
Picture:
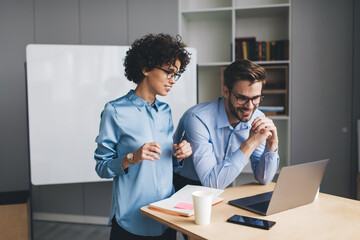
x,y
191,5
264,24
274,91
260,3
214,64
202,11
276,88
221,64
214,14
279,117
210,5
265,6
208,30
263,11
212,26
272,62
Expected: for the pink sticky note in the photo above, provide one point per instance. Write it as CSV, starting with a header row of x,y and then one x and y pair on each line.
x,y
187,206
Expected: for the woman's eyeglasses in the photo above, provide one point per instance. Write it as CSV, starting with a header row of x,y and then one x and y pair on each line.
x,y
170,75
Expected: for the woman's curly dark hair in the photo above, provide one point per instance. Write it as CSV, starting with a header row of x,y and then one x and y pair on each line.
x,y
154,50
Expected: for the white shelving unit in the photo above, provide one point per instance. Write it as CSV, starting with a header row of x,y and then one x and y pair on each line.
x,y
211,27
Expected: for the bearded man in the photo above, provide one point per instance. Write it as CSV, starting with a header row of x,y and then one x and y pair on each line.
x,y
227,133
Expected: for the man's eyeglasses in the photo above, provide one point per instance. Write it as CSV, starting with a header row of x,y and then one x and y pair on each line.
x,y
242,100
170,75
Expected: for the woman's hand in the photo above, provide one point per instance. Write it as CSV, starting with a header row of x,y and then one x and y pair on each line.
x,y
148,151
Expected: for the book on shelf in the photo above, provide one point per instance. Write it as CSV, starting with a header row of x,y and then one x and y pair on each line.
x,y
273,51
245,48
249,48
279,50
181,203
271,110
261,50
267,50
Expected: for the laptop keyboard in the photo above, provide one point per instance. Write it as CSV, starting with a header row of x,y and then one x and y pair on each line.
x,y
261,206
259,198
258,203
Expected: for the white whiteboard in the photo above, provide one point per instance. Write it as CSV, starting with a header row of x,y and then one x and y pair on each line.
x,y
67,88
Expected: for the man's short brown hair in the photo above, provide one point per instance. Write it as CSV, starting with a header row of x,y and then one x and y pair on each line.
x,y
243,70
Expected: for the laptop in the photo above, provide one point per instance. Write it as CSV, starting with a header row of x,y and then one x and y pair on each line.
x,y
296,186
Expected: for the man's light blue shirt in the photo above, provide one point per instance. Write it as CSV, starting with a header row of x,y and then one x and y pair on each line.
x,y
126,124
217,159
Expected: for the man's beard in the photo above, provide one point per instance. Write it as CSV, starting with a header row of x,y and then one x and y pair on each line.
x,y
236,112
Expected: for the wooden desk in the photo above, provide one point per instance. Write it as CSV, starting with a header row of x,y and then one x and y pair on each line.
x,y
328,217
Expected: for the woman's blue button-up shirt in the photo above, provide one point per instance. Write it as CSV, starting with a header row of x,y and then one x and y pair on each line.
x,y
126,124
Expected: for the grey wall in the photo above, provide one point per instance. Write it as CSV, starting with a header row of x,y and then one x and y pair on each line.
x,y
356,101
324,77
106,22
16,30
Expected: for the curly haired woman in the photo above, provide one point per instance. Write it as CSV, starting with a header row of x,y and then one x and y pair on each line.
x,y
135,144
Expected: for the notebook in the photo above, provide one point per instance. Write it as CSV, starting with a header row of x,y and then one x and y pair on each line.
x,y
180,203
296,186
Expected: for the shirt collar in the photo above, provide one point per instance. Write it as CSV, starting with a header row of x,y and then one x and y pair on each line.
x,y
139,102
223,120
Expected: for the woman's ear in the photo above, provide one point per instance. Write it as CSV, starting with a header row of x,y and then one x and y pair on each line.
x,y
146,73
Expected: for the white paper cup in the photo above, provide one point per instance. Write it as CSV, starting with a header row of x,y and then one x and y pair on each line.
x,y
202,201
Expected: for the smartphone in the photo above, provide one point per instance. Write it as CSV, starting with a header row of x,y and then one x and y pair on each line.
x,y
251,222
